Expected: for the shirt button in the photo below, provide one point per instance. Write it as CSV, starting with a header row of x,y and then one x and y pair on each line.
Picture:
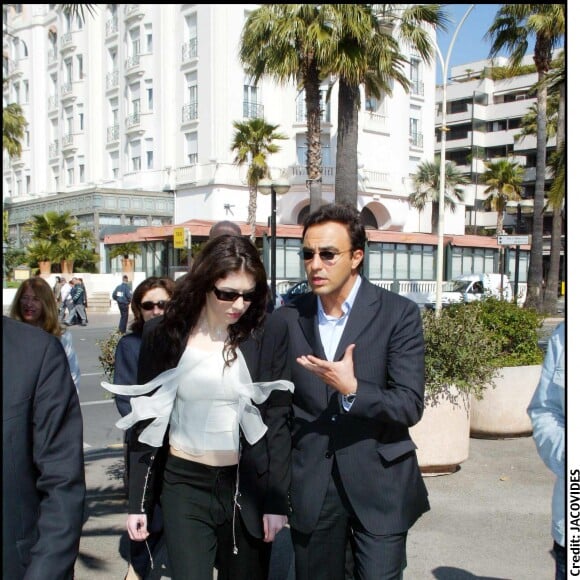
x,y
333,418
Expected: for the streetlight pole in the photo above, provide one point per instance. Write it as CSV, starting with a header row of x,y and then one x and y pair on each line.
x,y
441,222
278,187
522,206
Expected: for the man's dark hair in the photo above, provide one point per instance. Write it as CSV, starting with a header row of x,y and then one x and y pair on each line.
x,y
342,213
224,227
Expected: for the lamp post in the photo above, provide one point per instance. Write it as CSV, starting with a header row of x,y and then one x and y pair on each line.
x,y
441,223
279,186
518,207
4,273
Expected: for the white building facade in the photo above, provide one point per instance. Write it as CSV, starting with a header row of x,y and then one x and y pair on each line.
x,y
142,97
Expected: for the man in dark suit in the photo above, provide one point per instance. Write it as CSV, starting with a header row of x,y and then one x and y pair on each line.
x,y
43,477
357,357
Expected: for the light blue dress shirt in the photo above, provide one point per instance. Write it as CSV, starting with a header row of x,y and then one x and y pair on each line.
x,y
331,328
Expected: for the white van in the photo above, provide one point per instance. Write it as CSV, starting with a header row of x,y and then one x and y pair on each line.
x,y
471,287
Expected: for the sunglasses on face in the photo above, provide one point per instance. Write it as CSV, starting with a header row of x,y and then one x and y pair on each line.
x,y
231,296
151,305
327,256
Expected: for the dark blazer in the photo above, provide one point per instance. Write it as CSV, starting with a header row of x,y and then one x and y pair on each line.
x,y
126,358
43,477
264,466
374,454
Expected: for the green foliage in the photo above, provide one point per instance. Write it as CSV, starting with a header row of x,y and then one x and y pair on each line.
x,y
125,250
498,73
458,351
108,346
514,329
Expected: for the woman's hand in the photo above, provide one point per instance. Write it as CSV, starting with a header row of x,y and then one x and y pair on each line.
x,y
137,527
273,523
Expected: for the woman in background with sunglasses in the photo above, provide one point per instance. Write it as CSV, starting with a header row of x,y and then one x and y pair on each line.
x,y
217,424
148,301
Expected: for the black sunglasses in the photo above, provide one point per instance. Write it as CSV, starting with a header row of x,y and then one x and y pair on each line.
x,y
231,296
151,305
325,255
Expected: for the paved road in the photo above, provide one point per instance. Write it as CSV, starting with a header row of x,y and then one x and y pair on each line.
x,y
488,521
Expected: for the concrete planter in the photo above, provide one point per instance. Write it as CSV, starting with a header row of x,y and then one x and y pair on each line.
x,y
442,435
503,410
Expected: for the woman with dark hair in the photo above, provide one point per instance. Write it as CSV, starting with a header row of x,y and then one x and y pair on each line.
x,y
34,304
215,422
148,301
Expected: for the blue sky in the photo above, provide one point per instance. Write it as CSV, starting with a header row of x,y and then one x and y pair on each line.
x,y
469,44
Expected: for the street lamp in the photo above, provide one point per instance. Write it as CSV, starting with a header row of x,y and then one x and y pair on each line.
x,y
441,222
525,206
279,186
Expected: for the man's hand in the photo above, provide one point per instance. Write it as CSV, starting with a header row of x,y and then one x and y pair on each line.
x,y
273,523
137,527
339,375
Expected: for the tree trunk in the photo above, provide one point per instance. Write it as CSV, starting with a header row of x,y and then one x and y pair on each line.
x,y
552,283
346,176
535,298
435,217
252,211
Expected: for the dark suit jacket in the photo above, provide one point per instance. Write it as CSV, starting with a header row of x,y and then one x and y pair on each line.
x,y
374,454
43,477
264,466
126,359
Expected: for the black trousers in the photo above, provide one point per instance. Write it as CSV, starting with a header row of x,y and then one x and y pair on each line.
x,y
200,527
321,554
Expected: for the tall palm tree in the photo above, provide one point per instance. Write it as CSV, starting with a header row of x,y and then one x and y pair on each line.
x,y
504,180
364,50
53,226
285,41
13,125
512,26
253,141
426,182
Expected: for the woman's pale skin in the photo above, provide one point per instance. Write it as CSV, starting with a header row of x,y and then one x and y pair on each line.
x,y
209,334
153,295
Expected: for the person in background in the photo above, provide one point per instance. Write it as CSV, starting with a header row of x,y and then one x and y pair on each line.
x,y
220,433
43,474
85,298
357,363
59,283
149,301
224,227
547,411
62,302
34,304
122,296
77,295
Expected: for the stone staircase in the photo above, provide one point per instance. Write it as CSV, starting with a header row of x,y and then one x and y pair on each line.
x,y
99,302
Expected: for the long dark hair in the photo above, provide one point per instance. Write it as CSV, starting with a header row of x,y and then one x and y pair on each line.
x,y
148,284
218,258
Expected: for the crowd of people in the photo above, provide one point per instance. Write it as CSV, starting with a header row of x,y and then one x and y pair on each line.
x,y
239,422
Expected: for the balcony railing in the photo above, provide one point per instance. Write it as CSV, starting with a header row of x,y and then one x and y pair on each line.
x,y
189,112
418,88
66,39
253,110
66,89
189,50
67,140
132,120
111,27
132,61
53,149
416,139
112,133
112,79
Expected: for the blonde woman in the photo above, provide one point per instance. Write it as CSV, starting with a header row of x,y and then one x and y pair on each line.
x,y
34,304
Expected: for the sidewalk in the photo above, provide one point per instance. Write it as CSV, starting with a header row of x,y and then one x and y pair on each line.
x,y
489,521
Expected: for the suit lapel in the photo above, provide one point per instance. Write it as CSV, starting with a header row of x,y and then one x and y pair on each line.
x,y
364,311
308,321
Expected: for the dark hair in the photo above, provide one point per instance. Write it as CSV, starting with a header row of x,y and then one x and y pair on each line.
x,y
342,213
224,227
219,257
148,284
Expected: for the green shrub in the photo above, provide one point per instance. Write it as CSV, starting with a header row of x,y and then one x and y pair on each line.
x,y
107,347
515,329
459,350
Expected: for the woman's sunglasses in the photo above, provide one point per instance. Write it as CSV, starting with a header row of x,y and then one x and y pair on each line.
x,y
231,296
151,305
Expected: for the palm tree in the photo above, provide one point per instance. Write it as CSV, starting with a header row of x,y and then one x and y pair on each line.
x,y
426,182
285,41
13,125
364,51
53,226
253,142
512,25
504,179
125,250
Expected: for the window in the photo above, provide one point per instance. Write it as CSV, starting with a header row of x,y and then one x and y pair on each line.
x,y
81,117
149,152
114,164
70,172
26,89
415,134
135,42
415,77
68,70
301,106
191,147
251,105
149,93
81,162
81,74
27,186
302,150
148,38
135,155
16,91
371,104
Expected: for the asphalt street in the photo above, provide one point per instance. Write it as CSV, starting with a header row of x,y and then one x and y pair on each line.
x,y
488,521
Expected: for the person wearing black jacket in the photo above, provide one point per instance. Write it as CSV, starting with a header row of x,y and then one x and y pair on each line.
x,y
122,296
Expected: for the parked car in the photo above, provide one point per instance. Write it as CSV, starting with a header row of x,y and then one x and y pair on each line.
x,y
295,291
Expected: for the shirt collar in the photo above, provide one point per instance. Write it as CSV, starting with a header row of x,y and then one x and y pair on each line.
x,y
346,305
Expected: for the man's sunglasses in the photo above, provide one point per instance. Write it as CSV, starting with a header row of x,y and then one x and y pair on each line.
x,y
325,255
231,296
151,305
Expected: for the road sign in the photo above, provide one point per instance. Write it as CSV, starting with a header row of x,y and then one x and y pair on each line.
x,y
504,240
181,238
